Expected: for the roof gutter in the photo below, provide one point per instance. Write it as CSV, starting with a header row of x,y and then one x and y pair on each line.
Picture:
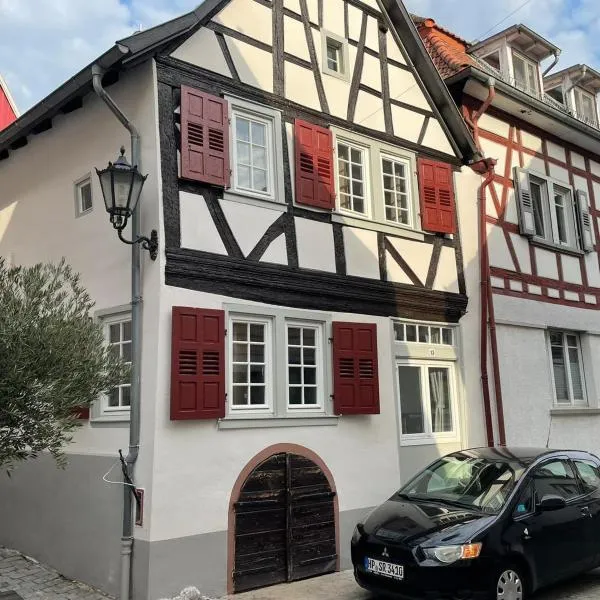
x,y
128,463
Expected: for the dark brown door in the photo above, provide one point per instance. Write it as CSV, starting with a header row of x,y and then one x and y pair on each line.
x,y
285,524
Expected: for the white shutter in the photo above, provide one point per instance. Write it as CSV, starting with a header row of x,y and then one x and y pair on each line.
x,y
525,202
585,222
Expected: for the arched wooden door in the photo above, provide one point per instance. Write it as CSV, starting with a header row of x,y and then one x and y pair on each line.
x,y
284,524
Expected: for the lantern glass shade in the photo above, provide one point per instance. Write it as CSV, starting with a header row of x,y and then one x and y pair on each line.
x,y
121,187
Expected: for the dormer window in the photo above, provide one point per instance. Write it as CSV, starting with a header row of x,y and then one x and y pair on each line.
x,y
493,59
585,106
525,74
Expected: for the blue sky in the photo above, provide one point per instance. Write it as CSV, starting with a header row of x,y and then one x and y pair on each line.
x,y
44,42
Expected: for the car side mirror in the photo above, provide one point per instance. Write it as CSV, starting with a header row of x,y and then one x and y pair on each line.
x,y
552,502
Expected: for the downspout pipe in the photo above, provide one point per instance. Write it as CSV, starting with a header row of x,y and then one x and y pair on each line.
x,y
553,64
136,347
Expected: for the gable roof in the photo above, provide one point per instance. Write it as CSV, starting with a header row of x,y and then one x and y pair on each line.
x,y
132,50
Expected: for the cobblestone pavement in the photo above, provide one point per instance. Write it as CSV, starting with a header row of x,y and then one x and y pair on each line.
x,y
34,581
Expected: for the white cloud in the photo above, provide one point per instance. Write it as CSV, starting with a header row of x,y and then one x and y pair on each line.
x,y
44,42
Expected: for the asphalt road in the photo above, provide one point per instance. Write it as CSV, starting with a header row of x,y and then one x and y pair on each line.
x,y
341,586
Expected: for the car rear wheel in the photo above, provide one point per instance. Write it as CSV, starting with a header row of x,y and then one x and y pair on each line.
x,y
510,585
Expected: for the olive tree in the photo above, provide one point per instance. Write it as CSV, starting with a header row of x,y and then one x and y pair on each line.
x,y
53,360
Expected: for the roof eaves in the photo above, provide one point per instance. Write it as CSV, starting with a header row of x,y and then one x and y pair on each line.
x,y
449,116
10,99
552,48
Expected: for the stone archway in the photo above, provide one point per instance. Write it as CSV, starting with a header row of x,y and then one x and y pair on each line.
x,y
283,519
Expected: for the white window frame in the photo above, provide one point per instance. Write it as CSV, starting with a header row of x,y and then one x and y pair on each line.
x,y
584,402
551,236
280,413
100,411
527,62
409,200
585,94
428,436
269,383
366,155
320,384
78,185
341,43
271,118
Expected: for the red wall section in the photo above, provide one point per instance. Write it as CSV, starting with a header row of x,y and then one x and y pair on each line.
x,y
7,115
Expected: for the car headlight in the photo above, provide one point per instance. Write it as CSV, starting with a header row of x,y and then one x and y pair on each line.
x,y
451,554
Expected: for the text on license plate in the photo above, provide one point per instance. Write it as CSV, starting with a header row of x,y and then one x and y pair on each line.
x,y
386,569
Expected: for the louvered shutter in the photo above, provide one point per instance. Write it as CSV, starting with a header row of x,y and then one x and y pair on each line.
x,y
585,222
204,137
524,201
437,196
314,165
355,375
197,364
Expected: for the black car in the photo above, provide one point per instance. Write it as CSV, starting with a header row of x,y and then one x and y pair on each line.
x,y
489,523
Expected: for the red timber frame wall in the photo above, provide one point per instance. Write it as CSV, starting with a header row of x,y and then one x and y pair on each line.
x,y
523,282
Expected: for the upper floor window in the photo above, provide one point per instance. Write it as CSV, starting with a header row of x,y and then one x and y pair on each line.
x,y
83,196
525,74
252,162
335,55
352,180
585,106
567,368
396,195
551,212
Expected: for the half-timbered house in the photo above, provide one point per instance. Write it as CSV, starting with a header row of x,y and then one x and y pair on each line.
x,y
303,348
537,215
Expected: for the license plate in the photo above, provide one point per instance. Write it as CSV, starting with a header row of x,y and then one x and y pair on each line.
x,y
386,569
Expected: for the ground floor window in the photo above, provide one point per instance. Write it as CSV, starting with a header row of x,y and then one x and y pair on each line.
x,y
427,399
567,368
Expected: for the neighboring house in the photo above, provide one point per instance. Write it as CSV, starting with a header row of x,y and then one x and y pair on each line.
x,y
539,219
8,108
302,352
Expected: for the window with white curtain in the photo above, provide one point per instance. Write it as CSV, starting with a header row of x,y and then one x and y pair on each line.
x,y
567,368
427,400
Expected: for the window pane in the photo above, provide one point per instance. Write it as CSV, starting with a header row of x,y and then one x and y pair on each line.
x,y
310,395
259,157
126,395
259,133
575,369
295,375
435,335
590,475
244,176
257,374
260,180
559,207
294,336
85,193
240,374
356,155
343,151
411,407
295,395
126,352
538,211
240,353
309,356
240,395
441,410
309,336
411,333
556,338
295,356
310,375
114,333
257,353
126,331
257,395
257,333
243,153
447,336
113,398
242,129
240,331
560,374
423,334
399,332
386,167
359,205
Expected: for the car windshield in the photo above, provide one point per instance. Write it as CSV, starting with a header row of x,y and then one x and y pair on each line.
x,y
466,481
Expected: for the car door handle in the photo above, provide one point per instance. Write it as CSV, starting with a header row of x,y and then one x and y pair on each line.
x,y
585,511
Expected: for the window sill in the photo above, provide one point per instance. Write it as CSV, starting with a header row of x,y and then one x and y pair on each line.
x,y
271,422
366,223
235,196
428,440
557,248
111,418
574,411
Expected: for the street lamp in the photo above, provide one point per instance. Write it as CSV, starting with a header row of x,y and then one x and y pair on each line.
x,y
121,187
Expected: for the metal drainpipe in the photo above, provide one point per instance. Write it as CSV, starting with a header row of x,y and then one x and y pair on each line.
x,y
554,63
136,346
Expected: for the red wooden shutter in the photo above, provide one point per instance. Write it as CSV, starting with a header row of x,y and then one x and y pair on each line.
x,y
314,165
437,196
197,364
204,137
355,373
